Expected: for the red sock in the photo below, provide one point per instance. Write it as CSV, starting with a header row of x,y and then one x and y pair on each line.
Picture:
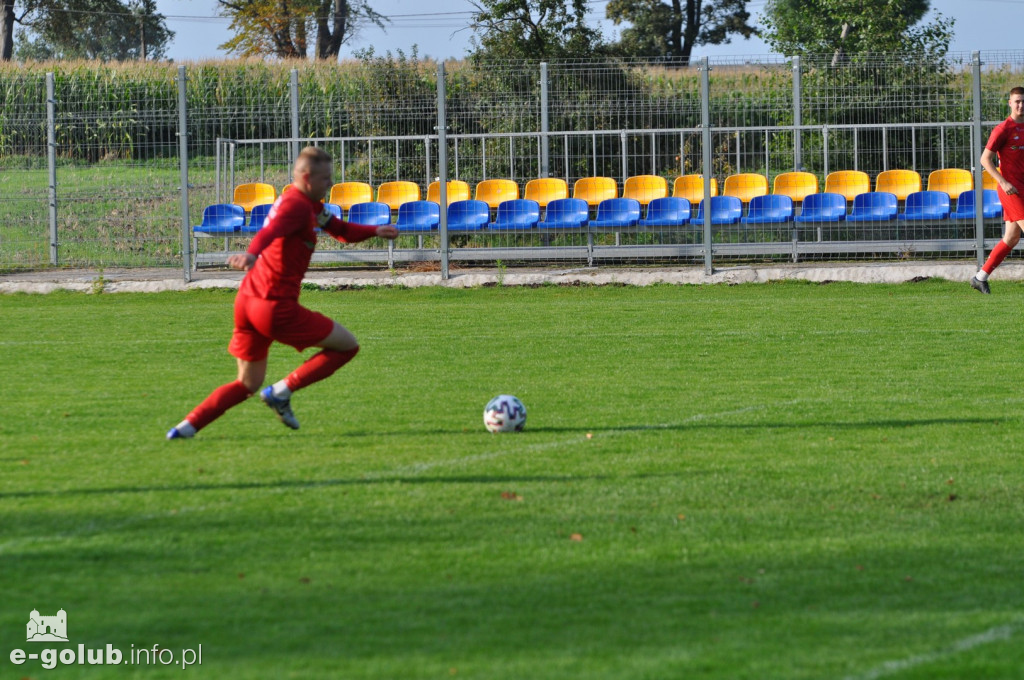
x,y
997,256
220,400
317,367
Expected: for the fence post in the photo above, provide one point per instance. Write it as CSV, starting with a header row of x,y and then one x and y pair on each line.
x,y
979,191
798,161
442,162
51,161
294,90
705,122
545,168
186,242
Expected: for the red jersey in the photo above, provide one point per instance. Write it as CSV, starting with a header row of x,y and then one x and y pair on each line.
x,y
1007,140
285,245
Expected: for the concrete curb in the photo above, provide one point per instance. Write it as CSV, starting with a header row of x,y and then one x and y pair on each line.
x,y
161,280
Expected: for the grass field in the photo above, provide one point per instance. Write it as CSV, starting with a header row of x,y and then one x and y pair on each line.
x,y
782,481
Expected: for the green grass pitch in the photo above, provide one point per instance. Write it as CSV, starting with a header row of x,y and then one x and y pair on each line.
x,y
780,481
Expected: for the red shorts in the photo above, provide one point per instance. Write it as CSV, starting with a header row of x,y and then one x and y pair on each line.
x,y
259,322
1013,206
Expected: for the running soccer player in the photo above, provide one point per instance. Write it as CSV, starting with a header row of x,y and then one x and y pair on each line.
x,y
267,306
1007,143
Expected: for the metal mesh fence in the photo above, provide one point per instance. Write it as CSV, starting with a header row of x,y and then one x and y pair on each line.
x,y
582,162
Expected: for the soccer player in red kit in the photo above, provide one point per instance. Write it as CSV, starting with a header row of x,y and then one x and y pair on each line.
x,y
267,307
1006,142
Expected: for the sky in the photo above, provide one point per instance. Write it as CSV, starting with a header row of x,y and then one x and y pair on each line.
x,y
439,28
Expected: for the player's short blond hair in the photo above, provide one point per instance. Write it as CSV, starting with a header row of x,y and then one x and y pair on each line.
x,y
310,159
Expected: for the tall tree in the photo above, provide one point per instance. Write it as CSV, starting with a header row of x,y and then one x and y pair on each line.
x,y
534,29
282,28
674,28
848,27
88,29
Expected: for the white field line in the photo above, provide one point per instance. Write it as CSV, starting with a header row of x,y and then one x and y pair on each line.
x,y
995,634
418,468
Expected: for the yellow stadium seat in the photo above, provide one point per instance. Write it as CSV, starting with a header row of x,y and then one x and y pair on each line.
x,y
848,183
691,187
796,185
457,190
494,192
953,181
645,188
545,190
347,194
745,186
396,193
988,181
899,182
593,190
253,193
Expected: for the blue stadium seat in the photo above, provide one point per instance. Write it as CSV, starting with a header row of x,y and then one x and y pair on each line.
x,y
565,213
468,215
826,207
873,206
617,212
418,216
666,212
257,217
990,206
769,209
334,209
926,205
221,218
724,210
371,213
519,214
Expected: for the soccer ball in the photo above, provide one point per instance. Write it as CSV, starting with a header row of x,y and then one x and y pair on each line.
x,y
504,413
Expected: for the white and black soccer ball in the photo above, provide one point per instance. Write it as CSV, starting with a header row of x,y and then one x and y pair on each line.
x,y
504,413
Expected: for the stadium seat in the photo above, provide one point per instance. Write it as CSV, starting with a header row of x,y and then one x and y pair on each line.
x,y
991,208
691,187
645,188
848,183
902,183
468,215
874,206
253,194
796,185
724,210
823,207
494,192
371,213
617,212
457,190
745,186
988,181
221,218
347,194
593,190
565,213
953,181
518,214
418,216
926,205
770,209
545,190
668,211
394,194
256,218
